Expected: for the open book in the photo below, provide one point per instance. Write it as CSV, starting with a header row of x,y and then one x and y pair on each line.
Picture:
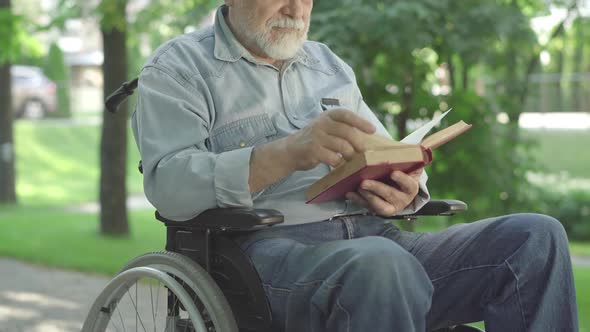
x,y
383,156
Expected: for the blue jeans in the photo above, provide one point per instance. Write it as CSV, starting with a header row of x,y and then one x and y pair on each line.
x,y
361,273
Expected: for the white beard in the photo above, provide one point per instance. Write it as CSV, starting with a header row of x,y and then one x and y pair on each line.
x,y
285,46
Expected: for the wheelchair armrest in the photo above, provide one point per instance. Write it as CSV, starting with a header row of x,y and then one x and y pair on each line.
x,y
236,219
443,207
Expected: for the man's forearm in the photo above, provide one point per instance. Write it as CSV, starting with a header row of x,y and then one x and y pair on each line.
x,y
268,164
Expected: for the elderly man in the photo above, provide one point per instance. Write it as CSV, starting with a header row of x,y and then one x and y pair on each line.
x,y
248,113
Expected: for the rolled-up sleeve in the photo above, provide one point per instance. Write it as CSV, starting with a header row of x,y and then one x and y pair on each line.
x,y
182,178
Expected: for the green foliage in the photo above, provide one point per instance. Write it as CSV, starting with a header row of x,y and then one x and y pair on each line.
x,y
395,48
474,167
565,198
15,40
57,71
113,14
63,11
161,21
572,208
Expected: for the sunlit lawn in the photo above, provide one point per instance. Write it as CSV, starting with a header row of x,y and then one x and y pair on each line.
x,y
57,238
58,164
562,150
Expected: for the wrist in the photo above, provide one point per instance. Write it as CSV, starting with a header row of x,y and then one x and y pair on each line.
x,y
284,155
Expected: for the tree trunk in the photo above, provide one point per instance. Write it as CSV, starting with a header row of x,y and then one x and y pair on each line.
x,y
578,86
465,76
451,68
7,172
559,98
407,104
401,122
113,145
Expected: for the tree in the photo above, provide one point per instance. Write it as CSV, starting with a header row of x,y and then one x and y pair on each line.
x,y
57,71
7,173
580,64
113,144
113,149
395,48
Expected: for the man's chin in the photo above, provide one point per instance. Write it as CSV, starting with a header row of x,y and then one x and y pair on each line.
x,y
281,54
284,52
290,48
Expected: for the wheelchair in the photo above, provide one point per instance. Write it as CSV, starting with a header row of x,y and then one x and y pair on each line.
x,y
203,281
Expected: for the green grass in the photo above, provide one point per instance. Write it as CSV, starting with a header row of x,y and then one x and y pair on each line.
x,y
582,280
57,238
580,248
562,151
59,165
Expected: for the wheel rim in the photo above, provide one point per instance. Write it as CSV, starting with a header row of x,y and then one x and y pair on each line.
x,y
205,293
137,300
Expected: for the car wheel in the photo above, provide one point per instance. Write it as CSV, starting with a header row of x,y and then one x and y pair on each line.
x,y
33,109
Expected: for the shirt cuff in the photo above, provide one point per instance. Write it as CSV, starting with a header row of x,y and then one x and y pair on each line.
x,y
232,174
420,200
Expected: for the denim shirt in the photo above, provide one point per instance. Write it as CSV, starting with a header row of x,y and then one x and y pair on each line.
x,y
205,102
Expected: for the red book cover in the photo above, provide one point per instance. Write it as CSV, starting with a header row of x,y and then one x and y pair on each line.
x,y
379,161
370,172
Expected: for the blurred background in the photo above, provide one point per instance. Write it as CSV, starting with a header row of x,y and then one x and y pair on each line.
x,y
518,70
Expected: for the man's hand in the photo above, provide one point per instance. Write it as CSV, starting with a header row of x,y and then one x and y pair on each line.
x,y
385,200
334,135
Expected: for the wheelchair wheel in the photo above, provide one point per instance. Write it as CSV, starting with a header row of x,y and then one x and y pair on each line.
x,y
161,291
460,328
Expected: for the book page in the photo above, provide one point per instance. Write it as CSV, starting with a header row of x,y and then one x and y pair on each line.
x,y
377,142
442,136
418,134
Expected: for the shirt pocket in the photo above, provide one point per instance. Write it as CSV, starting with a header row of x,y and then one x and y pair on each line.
x,y
243,133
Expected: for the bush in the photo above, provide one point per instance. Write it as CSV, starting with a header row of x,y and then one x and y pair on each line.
x,y
571,208
58,72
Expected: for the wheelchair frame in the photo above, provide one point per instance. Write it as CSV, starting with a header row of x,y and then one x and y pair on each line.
x,y
202,250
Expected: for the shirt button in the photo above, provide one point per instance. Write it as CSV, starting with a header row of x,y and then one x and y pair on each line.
x,y
242,144
295,117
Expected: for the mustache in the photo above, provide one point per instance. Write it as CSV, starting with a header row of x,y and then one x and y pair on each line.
x,y
286,22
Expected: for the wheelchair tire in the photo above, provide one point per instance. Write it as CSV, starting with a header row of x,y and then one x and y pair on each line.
x,y
106,311
198,281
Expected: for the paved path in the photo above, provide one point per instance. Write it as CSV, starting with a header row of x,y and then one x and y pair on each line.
x,y
583,261
40,299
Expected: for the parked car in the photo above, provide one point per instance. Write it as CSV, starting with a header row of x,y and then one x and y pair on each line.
x,y
33,94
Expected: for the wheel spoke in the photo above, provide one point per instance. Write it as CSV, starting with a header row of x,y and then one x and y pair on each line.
x,y
117,328
121,317
137,311
152,301
158,298
188,319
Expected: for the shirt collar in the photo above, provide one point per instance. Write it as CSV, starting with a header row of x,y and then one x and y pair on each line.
x,y
228,48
